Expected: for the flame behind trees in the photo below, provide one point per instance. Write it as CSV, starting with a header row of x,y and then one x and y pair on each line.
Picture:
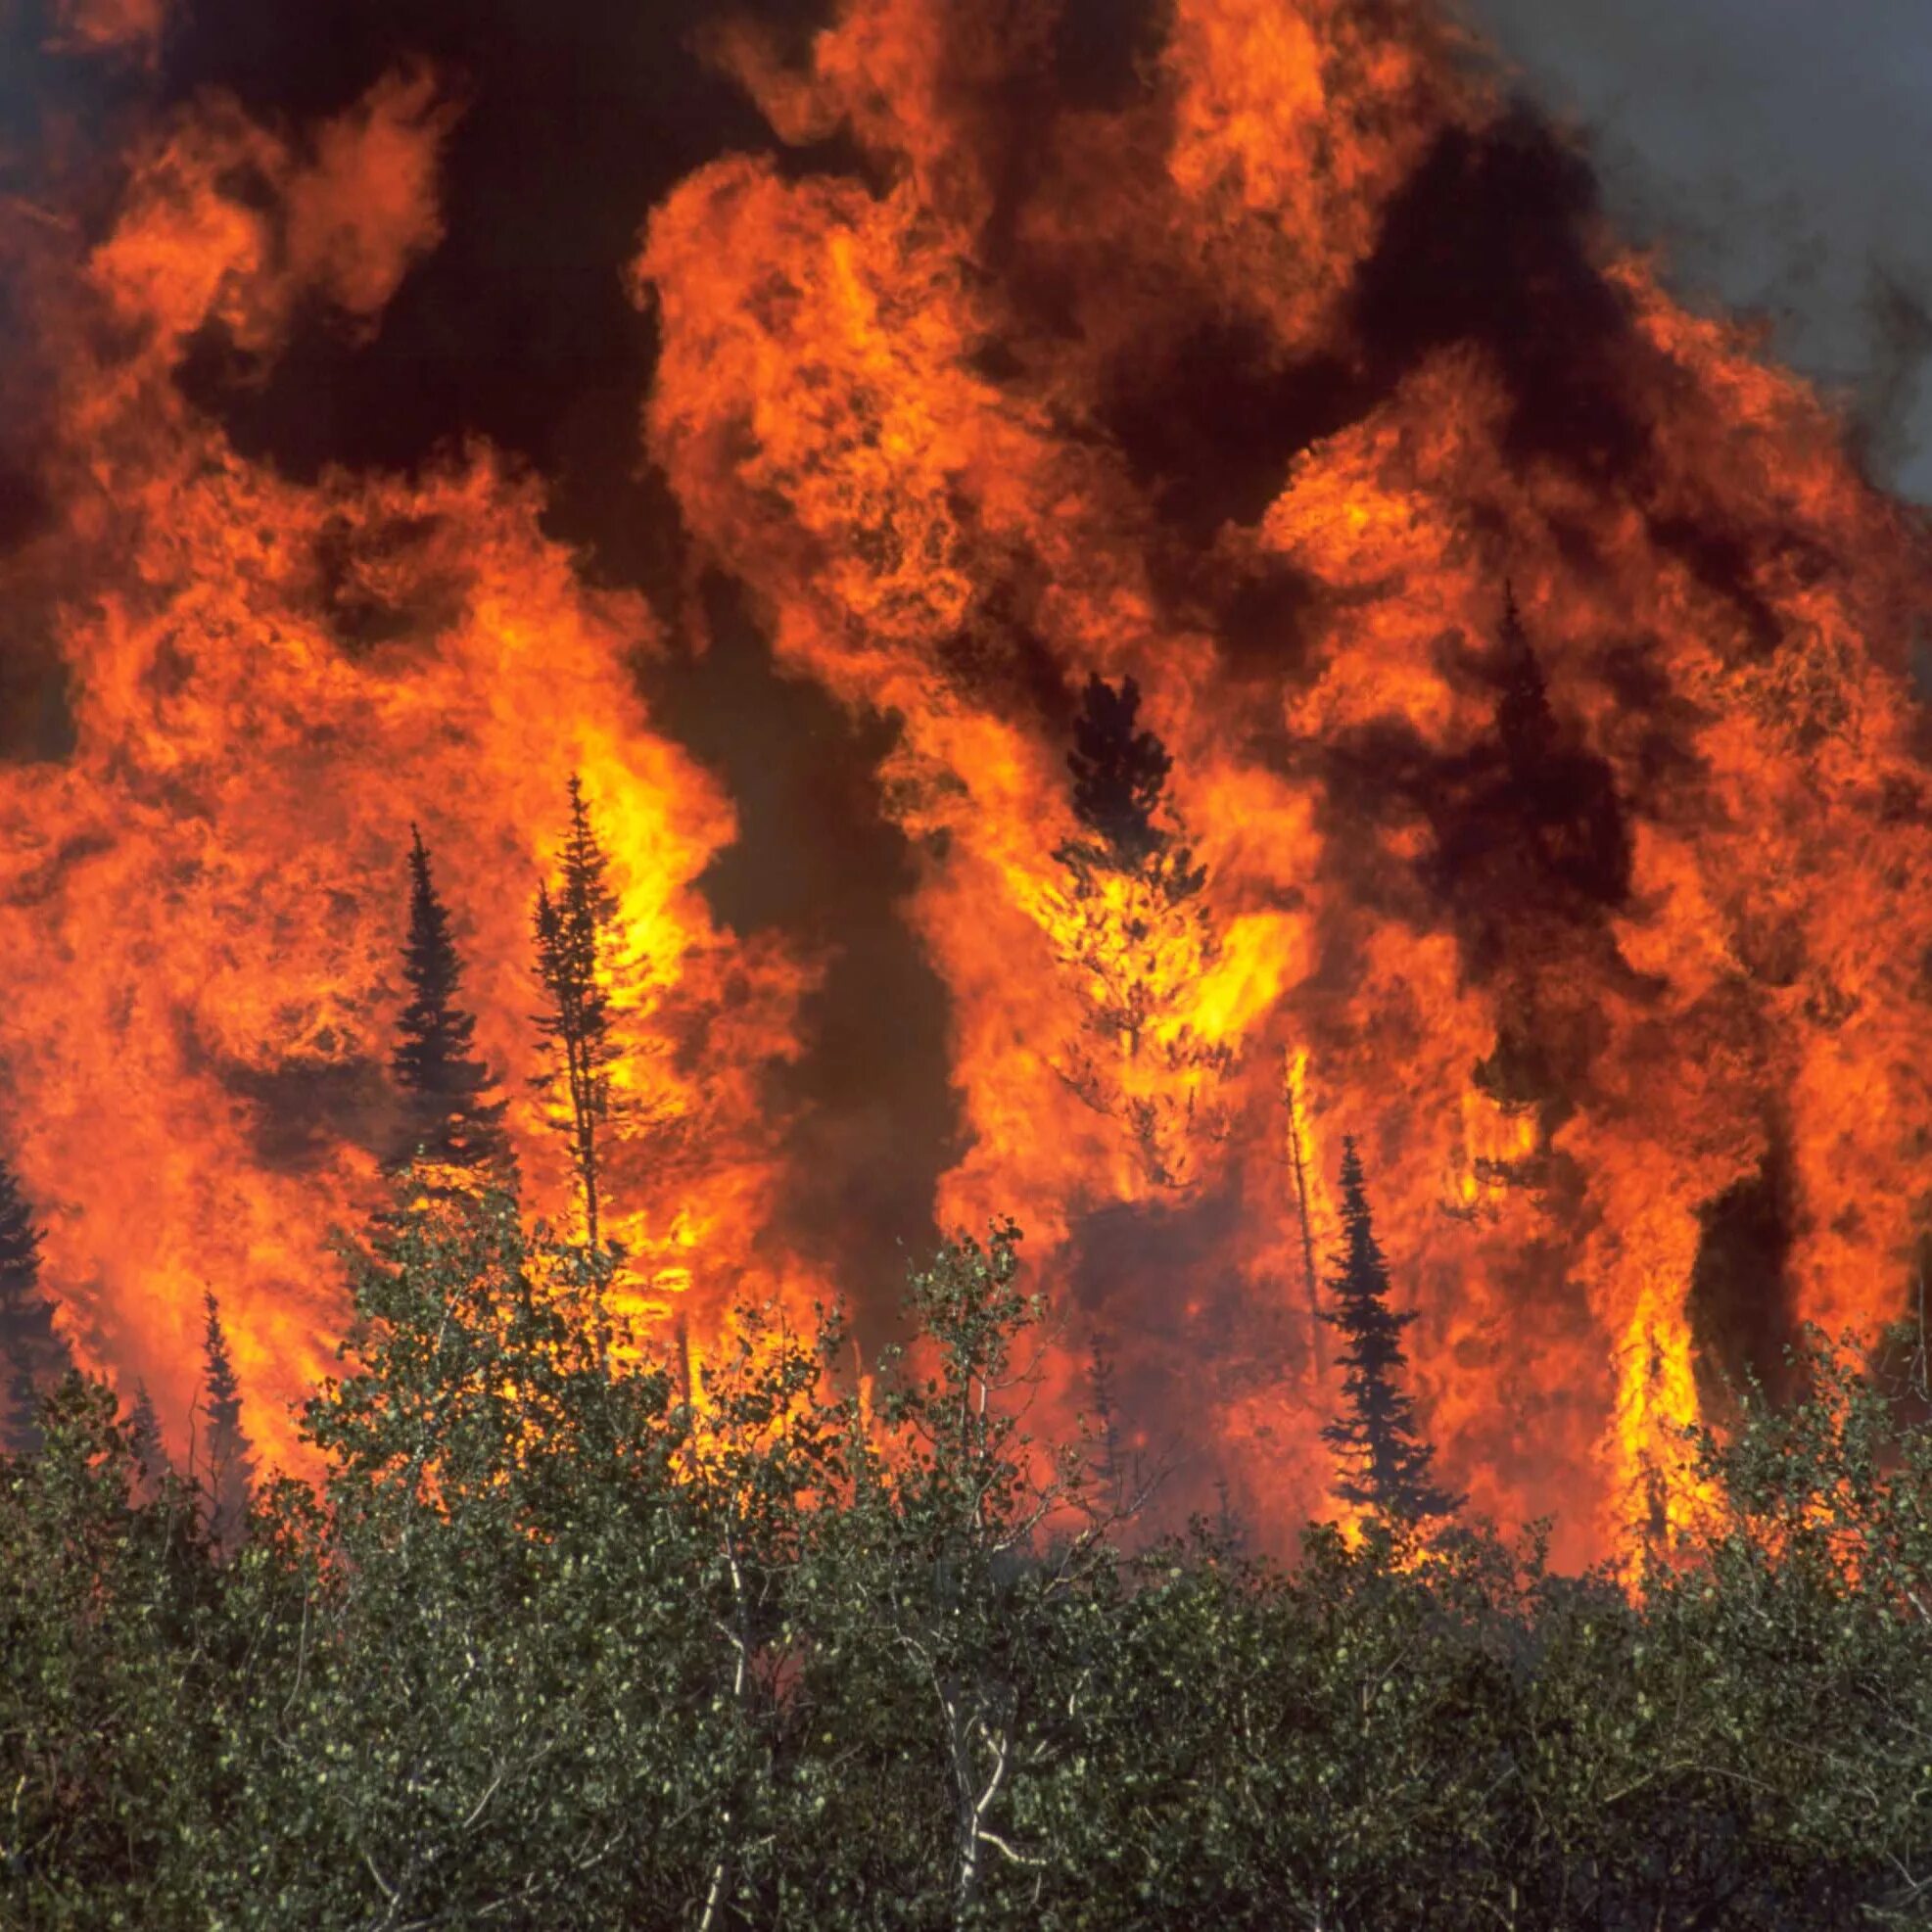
x,y
556,1647
1134,931
452,1121
575,935
1383,1462
1259,378
1255,377
254,681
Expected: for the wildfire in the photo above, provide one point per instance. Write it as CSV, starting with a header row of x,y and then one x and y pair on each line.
x,y
1543,800
1529,654
267,684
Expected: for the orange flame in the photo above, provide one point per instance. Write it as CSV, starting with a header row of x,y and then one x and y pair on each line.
x,y
267,684
1532,655
914,418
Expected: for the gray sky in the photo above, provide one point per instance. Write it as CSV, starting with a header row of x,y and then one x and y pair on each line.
x,y
1781,149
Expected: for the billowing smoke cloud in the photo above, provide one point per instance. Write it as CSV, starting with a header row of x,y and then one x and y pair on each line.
x,y
1780,157
1531,656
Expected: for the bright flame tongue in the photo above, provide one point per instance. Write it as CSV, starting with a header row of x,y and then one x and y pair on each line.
x,y
267,684
1277,387
1571,973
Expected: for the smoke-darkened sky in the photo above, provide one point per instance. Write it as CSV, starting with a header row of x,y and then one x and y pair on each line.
x,y
1780,150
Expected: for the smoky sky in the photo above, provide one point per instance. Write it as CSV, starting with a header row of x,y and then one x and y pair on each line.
x,y
1778,152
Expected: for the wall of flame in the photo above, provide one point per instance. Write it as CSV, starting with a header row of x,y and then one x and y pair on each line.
x,y
1268,374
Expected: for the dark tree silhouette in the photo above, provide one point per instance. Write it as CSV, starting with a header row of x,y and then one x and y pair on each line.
x,y
1120,777
1138,938
575,930
1384,1465
1119,772
451,1118
228,1457
32,1353
1560,798
1525,721
144,1436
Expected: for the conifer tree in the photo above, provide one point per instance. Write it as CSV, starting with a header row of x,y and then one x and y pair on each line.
x,y
1130,923
144,1436
452,1121
1120,775
1525,721
32,1353
1562,797
576,932
229,1457
1384,1465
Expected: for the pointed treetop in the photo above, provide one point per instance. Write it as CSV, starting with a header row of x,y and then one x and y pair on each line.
x,y
1383,1463
34,1355
587,888
1525,721
145,1437
223,1385
229,1456
576,927
1120,778
1119,772
449,1117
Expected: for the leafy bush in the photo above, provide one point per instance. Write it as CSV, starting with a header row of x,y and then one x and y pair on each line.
x,y
558,1642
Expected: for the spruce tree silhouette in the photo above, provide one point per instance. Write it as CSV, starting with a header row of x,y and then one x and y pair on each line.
x,y
1135,934
228,1457
576,932
1382,1464
31,1351
1525,721
1120,775
145,1439
451,1120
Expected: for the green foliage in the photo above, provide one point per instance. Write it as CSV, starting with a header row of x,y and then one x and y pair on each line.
x,y
112,1638
558,1640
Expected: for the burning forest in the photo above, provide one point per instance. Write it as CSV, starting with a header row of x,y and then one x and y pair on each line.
x,y
1137,598
964,965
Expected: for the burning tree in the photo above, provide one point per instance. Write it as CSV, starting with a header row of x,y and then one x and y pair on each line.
x,y
31,1346
452,1123
574,926
1384,1464
1130,923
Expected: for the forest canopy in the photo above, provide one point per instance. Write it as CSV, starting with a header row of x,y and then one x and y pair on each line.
x,y
567,1637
